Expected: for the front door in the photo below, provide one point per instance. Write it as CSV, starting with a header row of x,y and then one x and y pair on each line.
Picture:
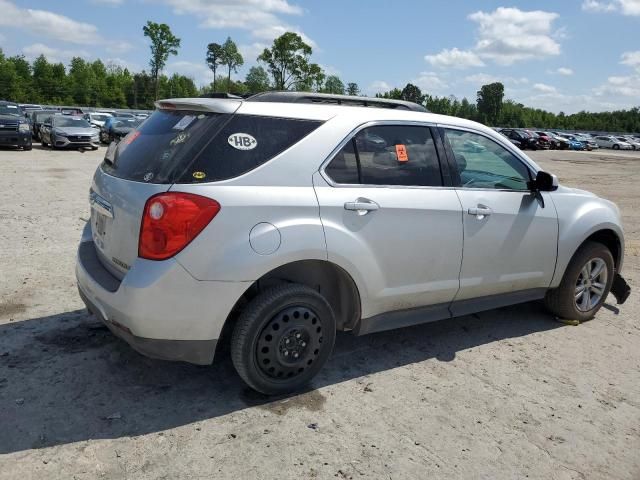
x,y
510,233
389,221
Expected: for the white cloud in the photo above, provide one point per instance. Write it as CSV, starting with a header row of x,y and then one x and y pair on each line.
x,y
118,46
378,86
544,88
484,78
48,24
53,54
509,35
625,7
260,17
429,82
563,71
199,72
454,58
625,86
632,59
596,6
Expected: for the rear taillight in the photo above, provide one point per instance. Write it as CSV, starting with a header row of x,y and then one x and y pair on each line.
x,y
171,220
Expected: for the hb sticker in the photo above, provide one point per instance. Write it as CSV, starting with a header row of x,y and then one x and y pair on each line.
x,y
242,141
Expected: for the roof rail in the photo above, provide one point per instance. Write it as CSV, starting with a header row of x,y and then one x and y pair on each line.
x,y
330,99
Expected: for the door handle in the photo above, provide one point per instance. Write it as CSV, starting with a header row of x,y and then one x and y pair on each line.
x,y
480,211
362,206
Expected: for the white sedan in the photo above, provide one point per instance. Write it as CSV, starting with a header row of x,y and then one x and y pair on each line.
x,y
613,142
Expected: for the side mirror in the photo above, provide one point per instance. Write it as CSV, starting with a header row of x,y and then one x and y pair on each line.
x,y
544,182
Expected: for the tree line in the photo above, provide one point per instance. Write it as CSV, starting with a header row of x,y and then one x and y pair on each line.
x,y
286,65
492,109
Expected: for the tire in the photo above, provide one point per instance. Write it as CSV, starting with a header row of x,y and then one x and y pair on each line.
x,y
279,323
94,148
563,301
616,147
27,148
44,144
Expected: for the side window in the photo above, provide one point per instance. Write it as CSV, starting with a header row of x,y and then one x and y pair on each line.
x,y
388,155
483,163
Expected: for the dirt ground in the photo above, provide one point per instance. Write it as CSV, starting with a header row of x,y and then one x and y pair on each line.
x,y
505,394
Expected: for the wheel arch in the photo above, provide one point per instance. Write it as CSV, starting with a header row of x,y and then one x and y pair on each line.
x,y
608,235
328,278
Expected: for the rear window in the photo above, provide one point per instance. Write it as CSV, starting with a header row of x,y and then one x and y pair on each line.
x,y
194,147
244,143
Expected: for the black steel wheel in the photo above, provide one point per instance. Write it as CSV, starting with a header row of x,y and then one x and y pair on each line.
x,y
283,338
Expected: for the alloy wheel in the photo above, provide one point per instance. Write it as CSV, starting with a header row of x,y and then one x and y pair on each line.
x,y
591,284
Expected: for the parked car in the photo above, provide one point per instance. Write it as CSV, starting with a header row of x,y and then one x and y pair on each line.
x,y
116,128
71,111
546,137
612,142
589,142
574,143
269,224
61,131
15,130
37,119
635,144
542,141
525,138
142,116
97,118
558,141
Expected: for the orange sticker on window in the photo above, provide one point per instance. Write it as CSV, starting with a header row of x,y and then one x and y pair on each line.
x,y
401,152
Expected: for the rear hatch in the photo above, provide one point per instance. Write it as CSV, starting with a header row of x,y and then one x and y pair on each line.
x,y
144,163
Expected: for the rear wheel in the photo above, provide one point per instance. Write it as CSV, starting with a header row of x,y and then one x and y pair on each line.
x,y
283,338
616,147
28,147
585,285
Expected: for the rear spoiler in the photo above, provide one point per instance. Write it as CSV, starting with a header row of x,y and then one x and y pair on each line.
x,y
214,105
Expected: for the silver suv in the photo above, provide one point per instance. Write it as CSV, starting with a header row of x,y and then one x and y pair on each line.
x,y
275,221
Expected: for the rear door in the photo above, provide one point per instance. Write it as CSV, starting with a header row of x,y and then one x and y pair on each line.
x,y
388,216
510,233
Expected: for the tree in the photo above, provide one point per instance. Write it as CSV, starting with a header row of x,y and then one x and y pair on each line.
x,y
411,93
353,89
231,57
214,59
334,85
287,60
257,80
310,78
489,102
163,44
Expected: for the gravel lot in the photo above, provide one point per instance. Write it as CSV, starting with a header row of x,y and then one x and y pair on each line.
x,y
505,394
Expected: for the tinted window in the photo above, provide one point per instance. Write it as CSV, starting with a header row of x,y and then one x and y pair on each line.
x,y
164,143
482,163
388,155
191,147
344,166
245,143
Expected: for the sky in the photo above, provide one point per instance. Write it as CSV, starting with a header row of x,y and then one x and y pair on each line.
x,y
567,55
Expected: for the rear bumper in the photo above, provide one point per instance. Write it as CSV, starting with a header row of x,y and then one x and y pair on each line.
x,y
158,307
15,138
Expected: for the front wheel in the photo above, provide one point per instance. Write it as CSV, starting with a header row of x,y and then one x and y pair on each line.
x,y
282,338
616,147
585,284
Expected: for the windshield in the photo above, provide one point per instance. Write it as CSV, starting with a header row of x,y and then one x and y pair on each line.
x,y
126,123
100,118
42,116
10,110
60,121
